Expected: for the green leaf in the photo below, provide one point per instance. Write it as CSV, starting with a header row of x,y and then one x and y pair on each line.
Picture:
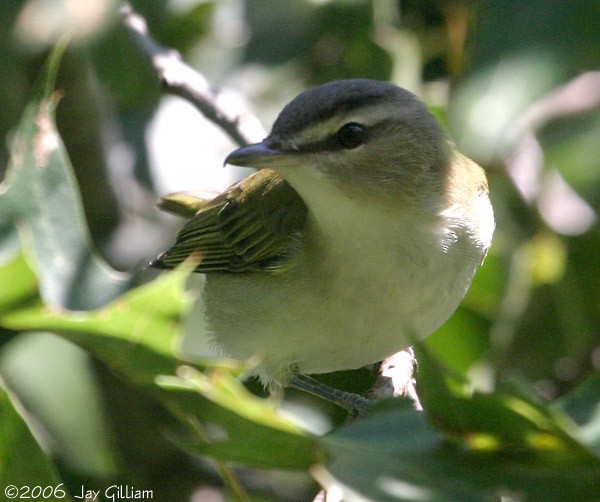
x,y
395,454
56,380
583,406
239,427
23,463
571,145
477,447
39,198
511,420
137,335
19,284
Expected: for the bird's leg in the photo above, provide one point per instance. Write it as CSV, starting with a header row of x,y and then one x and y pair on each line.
x,y
353,403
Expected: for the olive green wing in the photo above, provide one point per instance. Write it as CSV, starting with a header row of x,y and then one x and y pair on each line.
x,y
253,226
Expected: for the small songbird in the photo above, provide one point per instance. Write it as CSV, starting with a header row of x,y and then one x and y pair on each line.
x,y
359,234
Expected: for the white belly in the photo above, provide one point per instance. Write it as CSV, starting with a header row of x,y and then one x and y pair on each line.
x,y
360,303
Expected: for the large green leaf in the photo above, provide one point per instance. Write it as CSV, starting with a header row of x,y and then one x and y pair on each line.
x,y
137,335
19,284
511,419
583,406
237,426
56,382
476,446
134,334
397,455
39,198
23,463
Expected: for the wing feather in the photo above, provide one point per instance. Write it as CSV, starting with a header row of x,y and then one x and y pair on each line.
x,y
253,226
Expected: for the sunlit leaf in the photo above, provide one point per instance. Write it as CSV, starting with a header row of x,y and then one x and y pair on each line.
x,y
239,427
19,283
137,335
511,419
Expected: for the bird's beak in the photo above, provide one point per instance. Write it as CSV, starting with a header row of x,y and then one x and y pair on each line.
x,y
267,153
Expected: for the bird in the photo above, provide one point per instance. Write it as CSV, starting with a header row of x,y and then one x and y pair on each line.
x,y
359,233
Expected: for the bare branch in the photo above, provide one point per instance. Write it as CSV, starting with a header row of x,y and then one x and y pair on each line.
x,y
180,79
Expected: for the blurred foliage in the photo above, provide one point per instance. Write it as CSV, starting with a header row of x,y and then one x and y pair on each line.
x,y
516,85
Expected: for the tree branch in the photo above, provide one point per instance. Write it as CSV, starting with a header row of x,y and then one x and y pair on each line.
x,y
180,79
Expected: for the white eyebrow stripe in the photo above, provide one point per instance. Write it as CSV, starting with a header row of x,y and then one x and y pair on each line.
x,y
367,115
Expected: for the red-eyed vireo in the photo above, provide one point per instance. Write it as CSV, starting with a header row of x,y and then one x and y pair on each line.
x,y
360,233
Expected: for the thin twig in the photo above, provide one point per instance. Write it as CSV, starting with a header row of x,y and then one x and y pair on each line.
x,y
180,79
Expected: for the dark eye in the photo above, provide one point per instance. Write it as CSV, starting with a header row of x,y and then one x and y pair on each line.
x,y
351,135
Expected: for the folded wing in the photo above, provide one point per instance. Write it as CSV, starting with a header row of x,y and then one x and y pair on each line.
x,y
253,226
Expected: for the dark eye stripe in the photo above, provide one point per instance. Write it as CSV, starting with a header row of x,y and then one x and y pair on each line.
x,y
332,143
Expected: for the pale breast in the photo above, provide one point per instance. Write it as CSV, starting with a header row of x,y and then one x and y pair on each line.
x,y
347,304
